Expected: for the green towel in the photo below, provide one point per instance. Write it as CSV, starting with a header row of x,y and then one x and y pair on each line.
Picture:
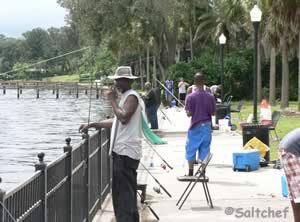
x,y
150,136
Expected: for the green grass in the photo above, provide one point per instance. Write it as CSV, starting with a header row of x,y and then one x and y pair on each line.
x,y
64,78
285,123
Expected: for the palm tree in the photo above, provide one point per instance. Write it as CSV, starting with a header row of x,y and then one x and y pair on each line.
x,y
296,25
191,11
270,39
226,17
285,12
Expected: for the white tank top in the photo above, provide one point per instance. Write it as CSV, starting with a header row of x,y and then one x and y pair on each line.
x,y
126,139
182,88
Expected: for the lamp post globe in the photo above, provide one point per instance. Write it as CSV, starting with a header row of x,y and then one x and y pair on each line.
x,y
222,41
255,14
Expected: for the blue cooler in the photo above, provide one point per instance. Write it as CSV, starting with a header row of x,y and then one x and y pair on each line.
x,y
284,187
247,160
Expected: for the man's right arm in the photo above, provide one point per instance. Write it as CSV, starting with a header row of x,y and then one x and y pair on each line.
x,y
107,123
214,107
188,107
189,90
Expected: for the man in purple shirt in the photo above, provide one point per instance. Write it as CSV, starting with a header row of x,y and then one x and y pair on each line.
x,y
199,105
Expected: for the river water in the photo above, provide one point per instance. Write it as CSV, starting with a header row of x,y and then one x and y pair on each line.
x,y
30,125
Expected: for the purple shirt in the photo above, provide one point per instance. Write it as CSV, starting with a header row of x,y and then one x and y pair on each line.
x,y
202,105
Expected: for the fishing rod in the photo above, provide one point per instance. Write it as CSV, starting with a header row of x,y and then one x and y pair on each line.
x,y
150,208
156,180
166,117
169,92
46,60
159,155
90,101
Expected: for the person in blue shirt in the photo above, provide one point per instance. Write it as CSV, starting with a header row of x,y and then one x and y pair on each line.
x,y
169,91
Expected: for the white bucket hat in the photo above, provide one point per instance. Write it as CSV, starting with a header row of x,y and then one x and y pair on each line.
x,y
123,72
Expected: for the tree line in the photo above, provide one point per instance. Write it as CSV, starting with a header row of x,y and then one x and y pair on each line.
x,y
182,35
37,45
168,27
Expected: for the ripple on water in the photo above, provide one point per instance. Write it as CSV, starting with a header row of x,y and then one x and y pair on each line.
x,y
30,125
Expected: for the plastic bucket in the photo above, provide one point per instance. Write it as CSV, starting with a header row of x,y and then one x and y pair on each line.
x,y
223,122
173,103
284,189
224,125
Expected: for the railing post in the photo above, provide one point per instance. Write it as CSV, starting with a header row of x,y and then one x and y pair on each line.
x,y
37,91
87,172
97,91
68,149
42,166
110,162
77,91
18,91
57,91
100,166
2,193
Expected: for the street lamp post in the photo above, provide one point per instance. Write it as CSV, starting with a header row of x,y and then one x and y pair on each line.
x,y
222,41
255,14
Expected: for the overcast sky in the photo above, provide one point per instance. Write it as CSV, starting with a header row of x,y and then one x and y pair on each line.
x,y
19,16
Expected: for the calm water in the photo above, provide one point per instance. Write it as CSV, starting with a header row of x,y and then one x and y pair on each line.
x,y
30,125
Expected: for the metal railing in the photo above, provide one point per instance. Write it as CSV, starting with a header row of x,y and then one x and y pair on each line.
x,y
70,189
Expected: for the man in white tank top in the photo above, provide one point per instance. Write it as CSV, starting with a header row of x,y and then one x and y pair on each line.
x,y
182,90
125,144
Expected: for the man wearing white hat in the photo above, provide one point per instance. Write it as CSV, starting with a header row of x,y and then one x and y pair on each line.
x,y
126,144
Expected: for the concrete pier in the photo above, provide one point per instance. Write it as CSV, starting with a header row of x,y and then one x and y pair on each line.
x,y
236,196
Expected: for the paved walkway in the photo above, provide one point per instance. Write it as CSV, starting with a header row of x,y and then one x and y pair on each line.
x,y
237,196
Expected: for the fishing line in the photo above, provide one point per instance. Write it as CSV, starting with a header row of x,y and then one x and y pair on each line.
x,y
90,102
46,60
157,153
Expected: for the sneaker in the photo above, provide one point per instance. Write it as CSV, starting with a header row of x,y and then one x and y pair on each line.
x,y
277,165
197,162
185,178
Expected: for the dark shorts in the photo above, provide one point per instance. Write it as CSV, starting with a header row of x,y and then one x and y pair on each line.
x,y
182,96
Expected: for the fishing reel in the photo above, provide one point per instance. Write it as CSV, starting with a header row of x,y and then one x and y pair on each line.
x,y
163,166
157,190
